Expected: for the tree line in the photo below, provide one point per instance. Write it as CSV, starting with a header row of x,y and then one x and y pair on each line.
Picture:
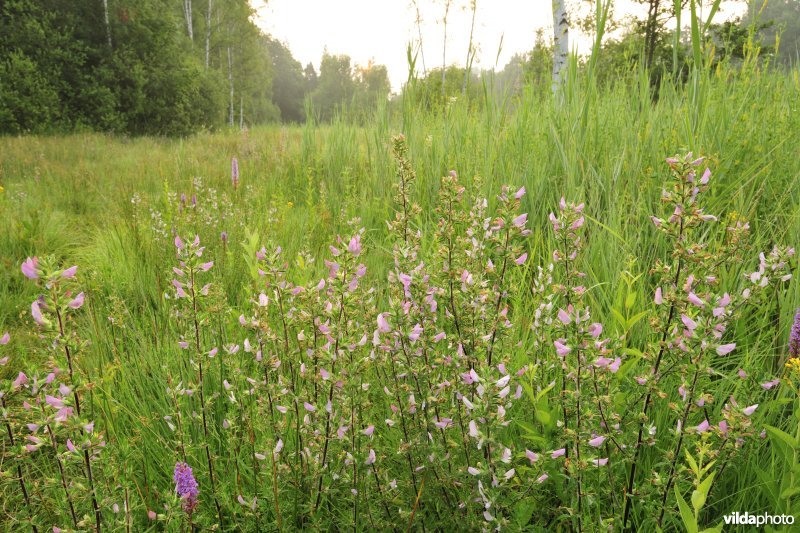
x,y
173,67
160,67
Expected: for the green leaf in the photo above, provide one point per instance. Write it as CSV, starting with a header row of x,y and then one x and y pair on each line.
x,y
523,511
715,529
698,58
700,494
545,391
714,9
686,514
788,493
618,316
692,463
783,441
782,435
633,352
636,318
630,300
544,417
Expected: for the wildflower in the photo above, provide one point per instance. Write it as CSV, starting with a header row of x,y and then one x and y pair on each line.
x,y
383,324
30,268
186,486
558,453
750,410
36,312
521,259
77,302
770,384
416,331
725,349
21,380
4,339
703,427
371,458
532,457
658,299
597,441
794,336
695,300
70,272
354,247
690,324
235,173
561,348
443,423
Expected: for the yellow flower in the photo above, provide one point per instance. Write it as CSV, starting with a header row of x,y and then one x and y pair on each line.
x,y
793,366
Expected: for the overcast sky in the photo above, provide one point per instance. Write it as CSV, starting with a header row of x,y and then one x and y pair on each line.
x,y
379,30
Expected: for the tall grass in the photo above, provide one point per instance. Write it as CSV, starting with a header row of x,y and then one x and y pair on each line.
x,y
102,202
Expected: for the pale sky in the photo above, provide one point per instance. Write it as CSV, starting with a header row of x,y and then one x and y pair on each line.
x,y
380,30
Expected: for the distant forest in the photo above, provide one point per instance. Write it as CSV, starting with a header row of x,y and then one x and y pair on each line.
x,y
173,67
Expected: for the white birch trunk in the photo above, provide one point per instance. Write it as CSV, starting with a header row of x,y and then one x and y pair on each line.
x,y
108,25
187,13
560,43
230,82
241,112
208,32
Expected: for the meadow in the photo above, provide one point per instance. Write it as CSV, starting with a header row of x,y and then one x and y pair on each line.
x,y
518,313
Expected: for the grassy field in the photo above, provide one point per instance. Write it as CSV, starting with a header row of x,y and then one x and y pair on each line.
x,y
113,206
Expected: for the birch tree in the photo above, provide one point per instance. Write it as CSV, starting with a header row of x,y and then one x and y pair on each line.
x,y
560,43
208,32
108,24
187,14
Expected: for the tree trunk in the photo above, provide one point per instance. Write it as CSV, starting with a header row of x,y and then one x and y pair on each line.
x,y
560,43
230,82
651,31
208,32
108,24
187,13
241,112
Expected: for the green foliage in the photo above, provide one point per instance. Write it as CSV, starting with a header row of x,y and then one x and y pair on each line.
x,y
58,71
778,22
288,84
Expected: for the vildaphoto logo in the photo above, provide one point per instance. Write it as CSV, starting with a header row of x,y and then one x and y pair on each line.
x,y
747,519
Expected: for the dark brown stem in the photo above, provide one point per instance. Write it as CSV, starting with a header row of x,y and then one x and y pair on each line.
x,y
199,353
